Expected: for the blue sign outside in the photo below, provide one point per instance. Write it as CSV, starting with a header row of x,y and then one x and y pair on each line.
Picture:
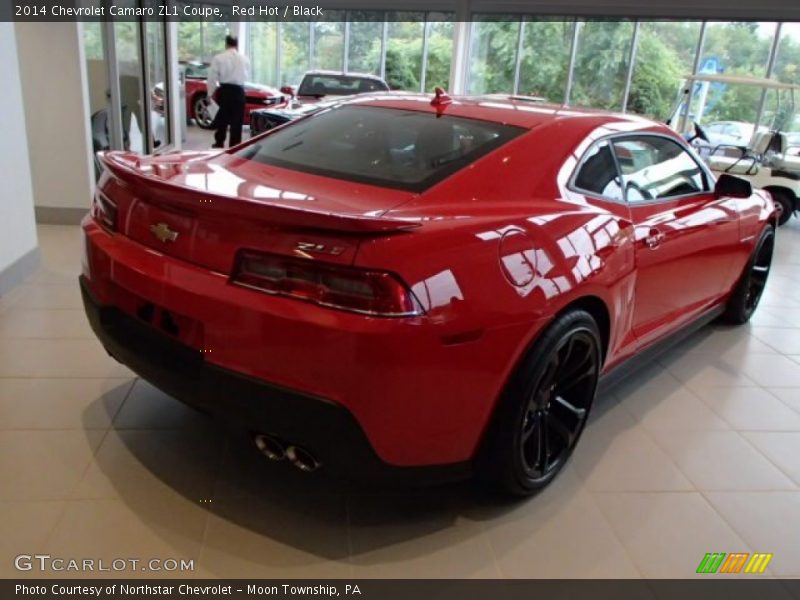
x,y
712,65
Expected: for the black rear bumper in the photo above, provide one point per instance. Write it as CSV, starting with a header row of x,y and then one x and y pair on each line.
x,y
327,429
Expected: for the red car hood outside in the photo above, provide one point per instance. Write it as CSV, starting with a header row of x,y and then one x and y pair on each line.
x,y
250,88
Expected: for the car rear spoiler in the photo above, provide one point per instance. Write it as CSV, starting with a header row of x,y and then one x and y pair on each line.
x,y
128,168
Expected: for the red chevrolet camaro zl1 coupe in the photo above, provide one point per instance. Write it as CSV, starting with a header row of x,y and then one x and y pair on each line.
x,y
416,288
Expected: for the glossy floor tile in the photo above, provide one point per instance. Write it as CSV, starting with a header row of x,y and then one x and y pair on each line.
x,y
768,522
697,452
668,534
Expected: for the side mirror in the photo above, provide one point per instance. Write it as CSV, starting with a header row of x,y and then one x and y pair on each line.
x,y
734,187
288,90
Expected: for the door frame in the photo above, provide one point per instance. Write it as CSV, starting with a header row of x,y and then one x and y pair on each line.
x,y
171,86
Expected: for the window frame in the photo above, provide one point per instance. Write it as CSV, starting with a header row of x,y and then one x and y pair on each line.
x,y
710,180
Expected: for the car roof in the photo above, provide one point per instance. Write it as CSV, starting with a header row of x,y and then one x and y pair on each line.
x,y
517,111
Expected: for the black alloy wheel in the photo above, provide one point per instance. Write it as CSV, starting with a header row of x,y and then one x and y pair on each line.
x,y
748,291
558,405
759,273
543,411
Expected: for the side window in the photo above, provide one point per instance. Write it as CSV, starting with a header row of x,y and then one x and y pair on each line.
x,y
656,168
598,174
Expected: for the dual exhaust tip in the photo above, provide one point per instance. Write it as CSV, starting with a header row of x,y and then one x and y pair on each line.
x,y
276,450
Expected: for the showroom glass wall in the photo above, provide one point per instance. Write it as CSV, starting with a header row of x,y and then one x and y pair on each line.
x,y
628,65
411,50
131,83
200,40
635,66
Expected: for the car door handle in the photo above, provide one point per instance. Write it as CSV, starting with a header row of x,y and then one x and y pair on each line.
x,y
654,239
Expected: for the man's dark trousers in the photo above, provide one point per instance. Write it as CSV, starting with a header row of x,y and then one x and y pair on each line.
x,y
230,114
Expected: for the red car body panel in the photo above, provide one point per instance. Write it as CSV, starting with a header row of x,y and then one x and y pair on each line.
x,y
492,252
255,97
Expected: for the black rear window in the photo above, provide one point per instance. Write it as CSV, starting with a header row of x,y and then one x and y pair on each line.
x,y
339,85
401,149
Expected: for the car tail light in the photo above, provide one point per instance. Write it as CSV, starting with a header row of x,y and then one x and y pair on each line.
x,y
364,291
104,211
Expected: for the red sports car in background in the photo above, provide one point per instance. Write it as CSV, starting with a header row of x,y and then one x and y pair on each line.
x,y
418,288
195,75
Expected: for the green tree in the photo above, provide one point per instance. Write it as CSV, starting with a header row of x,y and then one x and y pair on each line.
x,y
492,57
742,49
545,59
329,45
601,64
294,52
404,51
93,40
664,57
440,53
656,78
364,53
190,40
400,73
262,52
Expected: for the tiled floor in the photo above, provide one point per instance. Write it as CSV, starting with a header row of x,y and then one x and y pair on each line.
x,y
698,453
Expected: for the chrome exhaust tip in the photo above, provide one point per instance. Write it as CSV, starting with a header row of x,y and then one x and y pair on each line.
x,y
270,447
302,459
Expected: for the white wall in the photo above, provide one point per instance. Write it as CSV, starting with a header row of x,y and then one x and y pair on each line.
x,y
17,226
56,113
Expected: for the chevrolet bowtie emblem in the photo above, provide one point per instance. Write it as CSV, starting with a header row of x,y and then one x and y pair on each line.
x,y
163,233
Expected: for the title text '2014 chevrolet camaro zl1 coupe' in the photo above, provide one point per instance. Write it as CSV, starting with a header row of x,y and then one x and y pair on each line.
x,y
416,288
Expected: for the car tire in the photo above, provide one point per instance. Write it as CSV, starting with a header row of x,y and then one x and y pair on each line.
x,y
200,112
750,286
785,203
542,412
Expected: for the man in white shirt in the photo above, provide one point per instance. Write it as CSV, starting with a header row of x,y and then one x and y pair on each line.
x,y
226,76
